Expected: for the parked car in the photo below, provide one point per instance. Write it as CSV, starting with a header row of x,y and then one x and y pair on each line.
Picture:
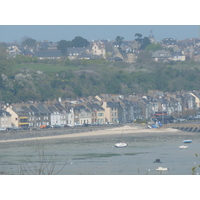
x,y
58,126
17,128
109,123
86,125
43,126
77,124
94,124
70,125
197,117
181,120
25,128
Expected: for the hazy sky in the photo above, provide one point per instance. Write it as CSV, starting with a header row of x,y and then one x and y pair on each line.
x,y
103,20
54,33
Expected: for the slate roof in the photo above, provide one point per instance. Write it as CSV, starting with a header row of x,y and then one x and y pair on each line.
x,y
52,109
42,109
59,107
25,51
169,41
19,111
111,104
76,50
34,109
26,109
95,106
177,53
84,55
161,54
3,113
46,54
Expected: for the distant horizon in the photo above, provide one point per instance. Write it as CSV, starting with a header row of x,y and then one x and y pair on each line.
x,y
55,33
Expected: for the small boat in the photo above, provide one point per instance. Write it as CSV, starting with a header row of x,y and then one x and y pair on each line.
x,y
157,161
161,169
187,141
183,147
121,145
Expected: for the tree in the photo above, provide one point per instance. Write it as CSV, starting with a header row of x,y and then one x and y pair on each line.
x,y
145,43
29,42
79,42
139,37
119,40
63,45
153,47
4,62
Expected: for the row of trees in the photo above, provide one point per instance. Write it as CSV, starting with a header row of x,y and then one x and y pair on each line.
x,y
144,42
76,42
62,44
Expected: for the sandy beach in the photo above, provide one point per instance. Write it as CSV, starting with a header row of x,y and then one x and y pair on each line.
x,y
123,131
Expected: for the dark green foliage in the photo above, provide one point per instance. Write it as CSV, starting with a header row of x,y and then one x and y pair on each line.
x,y
71,79
153,47
29,42
79,42
145,43
63,45
76,42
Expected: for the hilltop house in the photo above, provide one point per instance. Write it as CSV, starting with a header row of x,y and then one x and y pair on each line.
x,y
48,54
161,56
178,56
75,52
98,49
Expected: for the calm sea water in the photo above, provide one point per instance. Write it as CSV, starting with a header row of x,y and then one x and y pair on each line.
x,y
99,156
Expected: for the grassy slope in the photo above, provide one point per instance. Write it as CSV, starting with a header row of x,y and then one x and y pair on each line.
x,y
47,68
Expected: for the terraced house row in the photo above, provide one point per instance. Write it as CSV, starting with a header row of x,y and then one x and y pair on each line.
x,y
101,108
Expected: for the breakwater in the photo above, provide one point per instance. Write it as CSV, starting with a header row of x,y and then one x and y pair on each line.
x,y
185,127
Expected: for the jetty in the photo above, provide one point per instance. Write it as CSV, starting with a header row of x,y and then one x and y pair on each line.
x,y
185,127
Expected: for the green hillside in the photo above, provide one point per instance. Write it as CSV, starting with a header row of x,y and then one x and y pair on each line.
x,y
47,80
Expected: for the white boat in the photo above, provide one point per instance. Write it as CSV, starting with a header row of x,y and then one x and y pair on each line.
x,y
121,145
161,169
183,147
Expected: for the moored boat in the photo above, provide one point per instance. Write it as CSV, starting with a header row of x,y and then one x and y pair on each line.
x,y
183,147
121,145
187,141
161,169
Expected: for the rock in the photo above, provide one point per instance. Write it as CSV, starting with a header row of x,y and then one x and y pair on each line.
x,y
4,77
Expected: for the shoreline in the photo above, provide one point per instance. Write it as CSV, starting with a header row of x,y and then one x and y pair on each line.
x,y
126,130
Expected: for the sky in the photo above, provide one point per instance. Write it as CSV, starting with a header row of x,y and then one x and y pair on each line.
x,y
57,20
55,33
